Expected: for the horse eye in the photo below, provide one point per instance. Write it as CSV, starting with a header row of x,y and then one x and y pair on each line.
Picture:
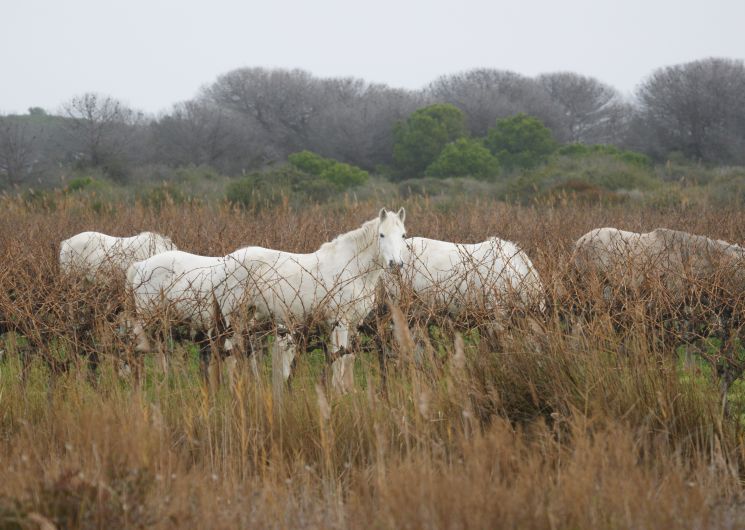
x,y
403,236
382,235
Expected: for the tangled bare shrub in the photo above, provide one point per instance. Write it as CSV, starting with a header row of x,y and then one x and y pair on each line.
x,y
587,420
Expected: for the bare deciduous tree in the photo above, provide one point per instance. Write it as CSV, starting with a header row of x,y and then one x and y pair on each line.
x,y
697,108
104,126
344,118
593,112
280,102
486,95
17,149
358,126
201,133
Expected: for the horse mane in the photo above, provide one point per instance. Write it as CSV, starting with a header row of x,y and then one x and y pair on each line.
x,y
499,241
148,233
703,241
360,237
150,236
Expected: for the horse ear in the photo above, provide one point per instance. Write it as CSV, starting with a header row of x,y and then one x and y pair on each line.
x,y
402,214
382,214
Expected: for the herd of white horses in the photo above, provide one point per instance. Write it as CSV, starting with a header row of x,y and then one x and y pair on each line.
x,y
340,283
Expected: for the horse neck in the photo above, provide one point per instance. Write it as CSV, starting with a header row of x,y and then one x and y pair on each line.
x,y
135,243
357,247
732,249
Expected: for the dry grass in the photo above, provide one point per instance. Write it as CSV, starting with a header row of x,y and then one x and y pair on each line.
x,y
548,426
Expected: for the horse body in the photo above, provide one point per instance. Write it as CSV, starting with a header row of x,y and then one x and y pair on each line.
x,y
288,287
335,284
690,280
179,287
179,283
94,252
673,258
492,274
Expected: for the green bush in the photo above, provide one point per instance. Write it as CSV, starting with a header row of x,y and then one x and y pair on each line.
x,y
102,189
316,189
520,141
583,150
194,173
339,174
344,176
421,138
241,192
587,174
727,190
40,199
79,184
447,187
161,194
582,192
606,171
666,197
256,192
464,157
265,188
424,186
310,162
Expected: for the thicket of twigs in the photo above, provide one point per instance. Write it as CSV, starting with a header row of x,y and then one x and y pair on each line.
x,y
597,414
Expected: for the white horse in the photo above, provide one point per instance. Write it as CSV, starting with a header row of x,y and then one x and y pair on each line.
x,y
201,291
494,275
335,284
179,287
670,258
92,253
694,279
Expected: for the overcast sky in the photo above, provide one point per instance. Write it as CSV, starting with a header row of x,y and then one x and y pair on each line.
x,y
152,53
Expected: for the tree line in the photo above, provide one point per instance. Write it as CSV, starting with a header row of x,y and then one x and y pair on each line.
x,y
251,118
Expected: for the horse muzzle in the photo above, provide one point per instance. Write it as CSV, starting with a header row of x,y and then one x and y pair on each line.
x,y
395,265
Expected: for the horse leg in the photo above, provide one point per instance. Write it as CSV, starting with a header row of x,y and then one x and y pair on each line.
x,y
382,364
289,355
379,334
142,346
218,336
342,366
162,333
209,348
205,352
255,352
283,357
216,345
728,367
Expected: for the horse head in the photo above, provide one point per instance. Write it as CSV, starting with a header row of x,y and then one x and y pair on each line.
x,y
391,237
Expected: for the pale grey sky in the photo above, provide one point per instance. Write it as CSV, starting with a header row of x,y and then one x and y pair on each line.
x,y
152,53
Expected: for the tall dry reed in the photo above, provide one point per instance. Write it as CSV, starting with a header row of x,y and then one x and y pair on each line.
x,y
574,419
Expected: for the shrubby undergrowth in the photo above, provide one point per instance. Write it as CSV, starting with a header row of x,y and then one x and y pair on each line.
x,y
553,422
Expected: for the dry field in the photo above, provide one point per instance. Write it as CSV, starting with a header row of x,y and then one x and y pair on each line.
x,y
564,420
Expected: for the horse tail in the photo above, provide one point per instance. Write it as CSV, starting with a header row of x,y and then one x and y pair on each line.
x,y
65,256
131,273
220,325
130,305
170,245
